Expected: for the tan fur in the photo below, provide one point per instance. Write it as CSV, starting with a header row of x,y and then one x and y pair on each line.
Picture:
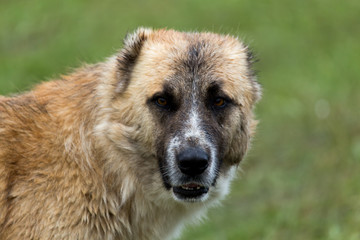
x,y
77,154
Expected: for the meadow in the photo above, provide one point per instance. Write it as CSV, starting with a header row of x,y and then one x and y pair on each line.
x,y
301,179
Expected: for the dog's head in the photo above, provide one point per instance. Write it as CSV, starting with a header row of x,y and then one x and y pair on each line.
x,y
188,97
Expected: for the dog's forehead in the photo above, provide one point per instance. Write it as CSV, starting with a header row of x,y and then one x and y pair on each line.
x,y
204,58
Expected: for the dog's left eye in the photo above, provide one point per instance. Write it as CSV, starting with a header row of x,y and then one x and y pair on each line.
x,y
219,102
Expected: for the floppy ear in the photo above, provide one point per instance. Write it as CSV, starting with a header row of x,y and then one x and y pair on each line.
x,y
256,87
128,56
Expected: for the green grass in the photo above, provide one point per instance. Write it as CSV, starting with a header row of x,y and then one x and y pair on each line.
x,y
302,178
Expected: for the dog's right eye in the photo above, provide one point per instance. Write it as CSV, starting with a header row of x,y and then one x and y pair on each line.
x,y
161,102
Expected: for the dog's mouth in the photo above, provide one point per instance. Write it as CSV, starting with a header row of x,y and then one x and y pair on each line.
x,y
190,191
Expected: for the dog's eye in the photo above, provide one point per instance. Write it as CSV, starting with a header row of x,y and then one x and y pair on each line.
x,y
161,102
219,102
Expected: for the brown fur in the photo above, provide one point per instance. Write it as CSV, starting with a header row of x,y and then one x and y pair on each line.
x,y
77,155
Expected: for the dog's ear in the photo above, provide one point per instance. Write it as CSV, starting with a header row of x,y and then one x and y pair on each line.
x,y
128,56
251,60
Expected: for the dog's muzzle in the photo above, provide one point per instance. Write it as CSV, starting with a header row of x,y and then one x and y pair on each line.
x,y
192,163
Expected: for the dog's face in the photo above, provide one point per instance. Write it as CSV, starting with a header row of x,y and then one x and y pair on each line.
x,y
194,95
193,113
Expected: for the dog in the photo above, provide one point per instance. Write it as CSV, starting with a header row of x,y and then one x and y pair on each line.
x,y
131,148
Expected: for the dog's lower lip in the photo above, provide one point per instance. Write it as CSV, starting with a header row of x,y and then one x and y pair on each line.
x,y
191,190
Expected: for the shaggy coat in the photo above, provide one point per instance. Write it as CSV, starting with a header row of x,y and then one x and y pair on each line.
x,y
87,156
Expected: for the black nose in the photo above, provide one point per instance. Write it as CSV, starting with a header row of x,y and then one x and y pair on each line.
x,y
193,161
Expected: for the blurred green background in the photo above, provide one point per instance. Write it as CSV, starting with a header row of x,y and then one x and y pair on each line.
x,y
301,179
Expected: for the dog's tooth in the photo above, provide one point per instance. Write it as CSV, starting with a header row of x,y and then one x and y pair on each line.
x,y
191,187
